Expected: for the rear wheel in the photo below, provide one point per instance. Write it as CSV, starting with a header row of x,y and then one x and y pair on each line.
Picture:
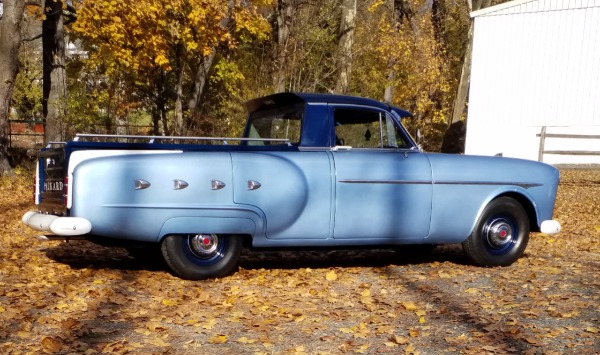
x,y
501,234
202,256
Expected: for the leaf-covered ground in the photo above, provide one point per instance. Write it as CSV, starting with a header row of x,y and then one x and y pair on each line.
x,y
85,299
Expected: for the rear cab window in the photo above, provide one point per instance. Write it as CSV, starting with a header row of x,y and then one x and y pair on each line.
x,y
283,123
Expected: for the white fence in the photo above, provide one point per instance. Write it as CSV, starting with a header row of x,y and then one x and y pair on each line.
x,y
544,136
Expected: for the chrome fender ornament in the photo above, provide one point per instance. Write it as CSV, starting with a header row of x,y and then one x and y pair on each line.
x,y
179,184
216,185
140,184
253,185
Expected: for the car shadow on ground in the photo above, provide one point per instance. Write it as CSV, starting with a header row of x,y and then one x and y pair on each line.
x,y
80,254
83,254
295,259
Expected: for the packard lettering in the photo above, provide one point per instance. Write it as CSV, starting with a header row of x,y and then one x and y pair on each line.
x,y
53,186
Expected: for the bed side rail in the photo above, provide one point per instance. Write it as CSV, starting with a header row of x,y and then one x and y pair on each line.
x,y
178,139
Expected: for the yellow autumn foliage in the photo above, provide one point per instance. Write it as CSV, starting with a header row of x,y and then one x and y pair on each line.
x,y
147,35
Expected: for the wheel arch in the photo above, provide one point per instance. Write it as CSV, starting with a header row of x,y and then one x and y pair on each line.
x,y
527,205
246,238
246,226
454,225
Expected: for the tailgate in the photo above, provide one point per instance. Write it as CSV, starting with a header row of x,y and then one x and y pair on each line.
x,y
52,181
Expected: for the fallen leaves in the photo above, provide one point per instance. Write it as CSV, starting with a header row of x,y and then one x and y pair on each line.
x,y
218,339
82,298
331,276
50,344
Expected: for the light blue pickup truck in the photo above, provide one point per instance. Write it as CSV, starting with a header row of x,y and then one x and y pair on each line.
x,y
311,170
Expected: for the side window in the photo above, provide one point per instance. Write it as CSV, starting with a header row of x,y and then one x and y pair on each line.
x,y
366,129
358,128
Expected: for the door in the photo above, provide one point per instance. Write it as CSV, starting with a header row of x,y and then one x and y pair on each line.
x,y
383,186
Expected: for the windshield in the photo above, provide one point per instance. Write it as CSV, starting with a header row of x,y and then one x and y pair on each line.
x,y
282,122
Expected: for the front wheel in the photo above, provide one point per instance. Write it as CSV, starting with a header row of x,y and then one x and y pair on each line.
x,y
202,256
501,234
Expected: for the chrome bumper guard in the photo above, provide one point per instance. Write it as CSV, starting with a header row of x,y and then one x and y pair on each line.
x,y
550,226
63,226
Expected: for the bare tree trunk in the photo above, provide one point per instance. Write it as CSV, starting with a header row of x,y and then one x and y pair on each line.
x,y
121,124
10,42
388,94
401,11
179,94
346,40
159,112
163,119
203,69
54,77
155,121
438,15
460,101
285,11
200,82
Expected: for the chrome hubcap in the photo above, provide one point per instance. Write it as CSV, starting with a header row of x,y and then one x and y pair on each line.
x,y
204,245
499,233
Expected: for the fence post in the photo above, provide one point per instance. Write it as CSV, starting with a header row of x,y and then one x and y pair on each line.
x,y
542,142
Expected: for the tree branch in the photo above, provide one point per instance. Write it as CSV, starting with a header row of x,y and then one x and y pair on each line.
x,y
32,38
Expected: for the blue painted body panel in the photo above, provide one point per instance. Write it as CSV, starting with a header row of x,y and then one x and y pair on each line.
x,y
296,191
382,193
464,185
310,194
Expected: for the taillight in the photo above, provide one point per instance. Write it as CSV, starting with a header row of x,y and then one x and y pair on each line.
x,y
66,191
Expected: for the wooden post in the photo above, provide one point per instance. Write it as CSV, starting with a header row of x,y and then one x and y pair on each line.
x,y
542,141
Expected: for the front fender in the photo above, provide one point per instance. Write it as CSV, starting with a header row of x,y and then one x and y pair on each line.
x,y
456,211
464,185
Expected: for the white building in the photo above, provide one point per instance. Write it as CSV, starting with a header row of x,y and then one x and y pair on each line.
x,y
536,63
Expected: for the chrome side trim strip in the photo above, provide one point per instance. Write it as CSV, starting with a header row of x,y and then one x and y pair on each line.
x,y
398,182
525,185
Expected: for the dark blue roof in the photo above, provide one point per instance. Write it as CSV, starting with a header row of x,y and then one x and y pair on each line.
x,y
292,97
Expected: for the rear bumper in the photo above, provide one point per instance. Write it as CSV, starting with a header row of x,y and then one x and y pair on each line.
x,y
64,226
